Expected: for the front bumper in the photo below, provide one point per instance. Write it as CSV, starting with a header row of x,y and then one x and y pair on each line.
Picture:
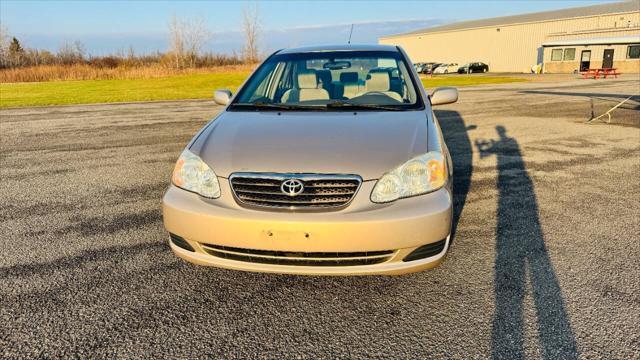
x,y
396,228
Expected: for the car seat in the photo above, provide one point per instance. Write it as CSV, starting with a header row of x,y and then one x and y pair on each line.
x,y
307,89
379,81
350,85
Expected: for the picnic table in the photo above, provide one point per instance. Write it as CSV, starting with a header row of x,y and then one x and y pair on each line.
x,y
597,73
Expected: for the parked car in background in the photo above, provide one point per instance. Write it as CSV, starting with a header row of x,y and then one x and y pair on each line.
x,y
446,68
475,67
425,68
429,67
435,66
328,161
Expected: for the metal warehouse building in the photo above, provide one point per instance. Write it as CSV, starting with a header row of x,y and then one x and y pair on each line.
x,y
564,40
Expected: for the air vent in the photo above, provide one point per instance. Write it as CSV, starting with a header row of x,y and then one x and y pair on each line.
x,y
299,258
426,251
180,242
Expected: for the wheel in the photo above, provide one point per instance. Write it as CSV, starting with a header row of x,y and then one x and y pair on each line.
x,y
470,71
484,70
446,71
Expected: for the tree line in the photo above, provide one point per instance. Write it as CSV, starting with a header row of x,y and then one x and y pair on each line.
x,y
187,39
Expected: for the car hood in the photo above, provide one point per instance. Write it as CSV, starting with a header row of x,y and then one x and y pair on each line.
x,y
365,143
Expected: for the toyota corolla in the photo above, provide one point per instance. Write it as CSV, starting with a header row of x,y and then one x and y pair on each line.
x,y
327,161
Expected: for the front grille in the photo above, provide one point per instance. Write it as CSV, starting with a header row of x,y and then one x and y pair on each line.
x,y
319,191
298,258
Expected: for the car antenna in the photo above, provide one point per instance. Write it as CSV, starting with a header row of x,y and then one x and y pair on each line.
x,y
350,33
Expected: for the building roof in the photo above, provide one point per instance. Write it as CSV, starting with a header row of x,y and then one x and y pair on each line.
x,y
631,39
594,10
343,47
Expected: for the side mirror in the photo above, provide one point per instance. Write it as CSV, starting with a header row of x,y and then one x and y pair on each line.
x,y
222,97
444,95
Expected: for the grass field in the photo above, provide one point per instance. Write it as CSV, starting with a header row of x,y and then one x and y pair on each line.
x,y
193,86
466,80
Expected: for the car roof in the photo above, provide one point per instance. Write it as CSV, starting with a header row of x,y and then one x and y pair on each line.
x,y
349,47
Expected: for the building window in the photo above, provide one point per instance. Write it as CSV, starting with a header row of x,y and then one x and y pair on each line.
x,y
569,54
633,52
556,55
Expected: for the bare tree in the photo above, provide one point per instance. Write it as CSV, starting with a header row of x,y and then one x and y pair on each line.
x,y
187,37
251,27
71,52
176,41
32,57
80,50
4,47
195,38
131,54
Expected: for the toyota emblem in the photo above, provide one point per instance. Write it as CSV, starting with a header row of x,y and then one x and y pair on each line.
x,y
292,187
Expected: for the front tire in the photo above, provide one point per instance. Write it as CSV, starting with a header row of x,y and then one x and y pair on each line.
x,y
470,71
446,71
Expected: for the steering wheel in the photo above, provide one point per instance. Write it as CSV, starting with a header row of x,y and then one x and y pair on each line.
x,y
378,93
375,93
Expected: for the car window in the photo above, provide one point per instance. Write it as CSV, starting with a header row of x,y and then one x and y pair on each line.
x,y
328,78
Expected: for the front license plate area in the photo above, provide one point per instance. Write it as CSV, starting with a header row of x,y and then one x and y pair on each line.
x,y
283,235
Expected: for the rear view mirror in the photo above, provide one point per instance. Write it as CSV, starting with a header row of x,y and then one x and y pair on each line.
x,y
444,95
222,97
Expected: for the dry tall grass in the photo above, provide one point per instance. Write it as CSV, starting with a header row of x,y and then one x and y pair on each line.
x,y
88,72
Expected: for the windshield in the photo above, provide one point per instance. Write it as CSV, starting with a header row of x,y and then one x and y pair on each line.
x,y
331,80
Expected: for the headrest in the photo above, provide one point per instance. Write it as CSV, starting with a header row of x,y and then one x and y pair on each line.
x,y
349,77
307,79
378,81
324,76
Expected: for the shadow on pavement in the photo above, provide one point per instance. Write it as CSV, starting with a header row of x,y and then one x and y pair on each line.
x,y
521,255
77,261
455,135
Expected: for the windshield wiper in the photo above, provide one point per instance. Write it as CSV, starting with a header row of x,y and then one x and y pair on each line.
x,y
277,106
346,105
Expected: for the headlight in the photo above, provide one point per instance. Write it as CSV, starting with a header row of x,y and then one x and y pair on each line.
x,y
420,175
192,174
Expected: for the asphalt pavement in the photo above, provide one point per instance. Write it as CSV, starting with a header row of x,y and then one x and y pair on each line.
x,y
544,262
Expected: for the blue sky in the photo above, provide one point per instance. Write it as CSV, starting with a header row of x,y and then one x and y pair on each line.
x,y
105,26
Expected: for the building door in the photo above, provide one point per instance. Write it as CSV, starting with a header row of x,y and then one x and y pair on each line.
x,y
607,59
585,60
